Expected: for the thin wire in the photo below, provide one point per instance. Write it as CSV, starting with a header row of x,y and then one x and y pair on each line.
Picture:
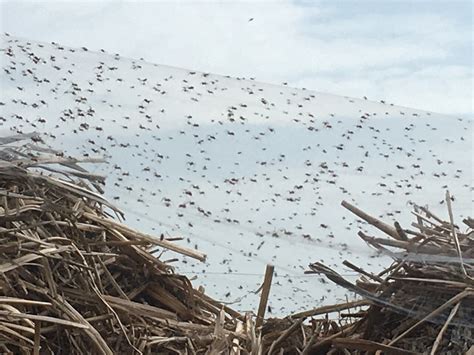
x,y
239,227
253,274
254,257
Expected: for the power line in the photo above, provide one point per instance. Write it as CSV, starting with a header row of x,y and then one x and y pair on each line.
x,y
239,227
254,274
252,256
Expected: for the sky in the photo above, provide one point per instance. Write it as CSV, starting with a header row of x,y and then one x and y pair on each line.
x,y
412,53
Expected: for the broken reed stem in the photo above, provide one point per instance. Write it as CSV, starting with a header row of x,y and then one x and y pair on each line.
x,y
331,308
163,243
386,228
267,283
37,347
362,271
454,234
443,328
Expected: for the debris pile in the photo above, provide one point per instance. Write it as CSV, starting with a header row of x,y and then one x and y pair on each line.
x,y
76,280
422,303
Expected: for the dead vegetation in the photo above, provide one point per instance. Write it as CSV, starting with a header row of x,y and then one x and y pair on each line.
x,y
75,280
422,303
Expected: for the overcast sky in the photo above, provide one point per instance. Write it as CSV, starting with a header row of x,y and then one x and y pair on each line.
x,y
412,53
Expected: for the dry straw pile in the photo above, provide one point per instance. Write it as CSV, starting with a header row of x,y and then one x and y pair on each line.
x,y
76,280
422,304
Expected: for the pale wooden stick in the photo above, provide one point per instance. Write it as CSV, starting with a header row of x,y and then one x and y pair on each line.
x,y
443,329
153,240
362,271
331,308
239,329
453,231
431,214
384,227
37,345
40,318
267,282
